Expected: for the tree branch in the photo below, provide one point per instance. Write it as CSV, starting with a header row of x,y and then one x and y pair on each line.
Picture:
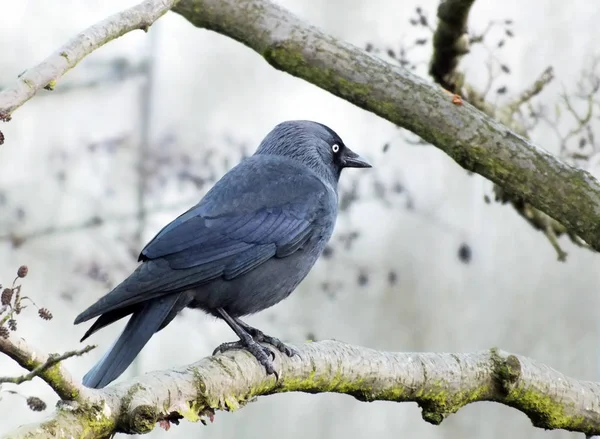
x,y
47,367
440,383
450,42
45,74
452,21
475,141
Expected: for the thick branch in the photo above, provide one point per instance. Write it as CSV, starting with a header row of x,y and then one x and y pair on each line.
x,y
440,383
475,141
45,74
452,18
47,367
450,41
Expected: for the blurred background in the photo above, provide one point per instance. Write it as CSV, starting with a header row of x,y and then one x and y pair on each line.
x,y
419,261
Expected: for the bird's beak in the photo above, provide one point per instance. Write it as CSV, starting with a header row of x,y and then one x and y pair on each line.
x,y
353,160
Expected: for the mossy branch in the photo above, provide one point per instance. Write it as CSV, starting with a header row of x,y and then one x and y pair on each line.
x,y
42,368
440,383
450,44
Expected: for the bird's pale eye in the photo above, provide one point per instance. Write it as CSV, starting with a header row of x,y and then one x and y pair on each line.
x,y
335,148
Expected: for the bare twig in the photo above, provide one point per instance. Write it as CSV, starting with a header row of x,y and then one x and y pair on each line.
x,y
18,239
53,360
536,88
47,367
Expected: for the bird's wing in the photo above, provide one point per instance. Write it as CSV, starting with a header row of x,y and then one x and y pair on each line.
x,y
239,225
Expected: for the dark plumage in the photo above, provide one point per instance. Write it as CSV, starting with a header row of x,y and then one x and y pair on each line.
x,y
243,248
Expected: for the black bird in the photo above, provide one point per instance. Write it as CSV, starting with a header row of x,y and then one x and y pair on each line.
x,y
243,248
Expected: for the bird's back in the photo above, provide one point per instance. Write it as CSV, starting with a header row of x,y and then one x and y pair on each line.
x,y
275,279
245,246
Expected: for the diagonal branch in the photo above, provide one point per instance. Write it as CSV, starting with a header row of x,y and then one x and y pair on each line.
x,y
536,88
452,17
45,74
475,141
440,383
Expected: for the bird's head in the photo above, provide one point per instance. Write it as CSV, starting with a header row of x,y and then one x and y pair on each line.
x,y
315,145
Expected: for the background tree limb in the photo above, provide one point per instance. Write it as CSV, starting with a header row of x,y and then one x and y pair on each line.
x,y
440,383
450,41
45,74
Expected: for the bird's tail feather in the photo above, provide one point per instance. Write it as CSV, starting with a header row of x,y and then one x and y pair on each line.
x,y
147,319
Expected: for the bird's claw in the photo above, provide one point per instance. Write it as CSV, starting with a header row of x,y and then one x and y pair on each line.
x,y
260,337
251,342
265,357
263,354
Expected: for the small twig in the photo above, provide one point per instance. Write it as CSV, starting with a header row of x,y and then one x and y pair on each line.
x,y
48,367
92,222
53,360
476,38
536,88
582,121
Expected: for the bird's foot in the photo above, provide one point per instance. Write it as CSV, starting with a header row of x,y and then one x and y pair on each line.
x,y
263,354
261,337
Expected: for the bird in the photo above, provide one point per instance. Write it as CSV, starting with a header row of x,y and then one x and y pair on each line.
x,y
245,246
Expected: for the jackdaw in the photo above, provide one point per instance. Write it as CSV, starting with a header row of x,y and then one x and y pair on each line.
x,y
243,248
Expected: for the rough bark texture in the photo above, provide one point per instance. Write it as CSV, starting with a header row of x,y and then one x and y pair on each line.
x,y
440,383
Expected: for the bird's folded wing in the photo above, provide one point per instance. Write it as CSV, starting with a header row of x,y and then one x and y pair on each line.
x,y
206,243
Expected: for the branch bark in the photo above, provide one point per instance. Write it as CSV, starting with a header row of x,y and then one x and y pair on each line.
x,y
440,383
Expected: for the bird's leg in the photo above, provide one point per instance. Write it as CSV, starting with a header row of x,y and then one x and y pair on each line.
x,y
261,353
261,337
